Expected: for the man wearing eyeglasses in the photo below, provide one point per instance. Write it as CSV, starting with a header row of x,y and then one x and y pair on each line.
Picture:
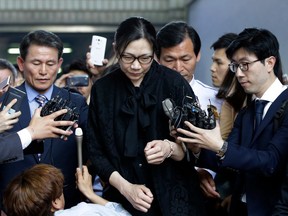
x,y
254,148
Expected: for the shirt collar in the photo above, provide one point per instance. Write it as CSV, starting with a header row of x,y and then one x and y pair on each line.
x,y
32,93
273,91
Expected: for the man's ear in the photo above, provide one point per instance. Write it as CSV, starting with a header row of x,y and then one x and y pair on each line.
x,y
56,205
198,56
20,63
270,63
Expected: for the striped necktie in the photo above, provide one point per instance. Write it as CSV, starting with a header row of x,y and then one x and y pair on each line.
x,y
40,99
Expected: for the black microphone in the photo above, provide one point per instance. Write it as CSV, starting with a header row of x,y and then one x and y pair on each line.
x,y
79,139
168,107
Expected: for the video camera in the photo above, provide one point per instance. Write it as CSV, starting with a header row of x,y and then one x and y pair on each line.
x,y
190,111
58,103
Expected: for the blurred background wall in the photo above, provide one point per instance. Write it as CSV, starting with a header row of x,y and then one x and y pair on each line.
x,y
213,18
75,21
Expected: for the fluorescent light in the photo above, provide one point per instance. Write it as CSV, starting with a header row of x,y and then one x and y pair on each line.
x,y
67,50
13,51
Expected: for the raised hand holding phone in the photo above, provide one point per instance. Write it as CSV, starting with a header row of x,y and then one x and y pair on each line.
x,y
98,47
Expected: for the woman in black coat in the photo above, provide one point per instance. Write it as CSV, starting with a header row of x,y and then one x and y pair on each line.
x,y
129,137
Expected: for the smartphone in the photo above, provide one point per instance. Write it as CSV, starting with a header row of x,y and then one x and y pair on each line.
x,y
98,47
9,96
5,82
77,81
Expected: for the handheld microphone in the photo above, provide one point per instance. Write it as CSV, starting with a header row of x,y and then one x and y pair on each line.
x,y
79,139
168,107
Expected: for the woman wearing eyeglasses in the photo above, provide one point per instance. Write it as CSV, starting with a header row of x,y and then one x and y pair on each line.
x,y
129,141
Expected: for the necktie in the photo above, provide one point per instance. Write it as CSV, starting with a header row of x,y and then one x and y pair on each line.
x,y
40,99
259,107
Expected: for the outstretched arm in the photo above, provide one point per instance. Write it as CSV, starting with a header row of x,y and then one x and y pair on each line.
x,y
84,183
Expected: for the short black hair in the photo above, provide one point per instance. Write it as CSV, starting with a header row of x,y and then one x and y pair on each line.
x,y
42,38
224,41
174,33
262,43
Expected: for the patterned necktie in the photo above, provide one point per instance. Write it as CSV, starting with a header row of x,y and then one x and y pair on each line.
x,y
40,99
259,107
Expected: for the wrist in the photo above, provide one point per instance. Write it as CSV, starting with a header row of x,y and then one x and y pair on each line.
x,y
171,148
222,151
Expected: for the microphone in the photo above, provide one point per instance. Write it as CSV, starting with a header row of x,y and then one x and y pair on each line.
x,y
79,139
168,107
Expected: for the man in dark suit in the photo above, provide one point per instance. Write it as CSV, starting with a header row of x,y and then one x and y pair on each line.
x,y
40,59
12,144
257,154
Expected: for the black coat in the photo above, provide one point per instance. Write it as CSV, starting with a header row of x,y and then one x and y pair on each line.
x,y
122,119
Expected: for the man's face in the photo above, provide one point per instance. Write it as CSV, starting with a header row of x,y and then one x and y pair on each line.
x,y
219,66
40,67
180,58
258,78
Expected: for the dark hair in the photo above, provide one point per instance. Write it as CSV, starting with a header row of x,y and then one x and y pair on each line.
x,y
32,192
174,33
77,64
224,41
237,98
260,42
132,29
41,38
5,64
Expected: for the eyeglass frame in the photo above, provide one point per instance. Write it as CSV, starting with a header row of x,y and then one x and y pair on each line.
x,y
241,65
138,58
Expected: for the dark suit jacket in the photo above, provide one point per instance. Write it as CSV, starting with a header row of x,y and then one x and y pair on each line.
x,y
281,207
62,154
10,148
259,159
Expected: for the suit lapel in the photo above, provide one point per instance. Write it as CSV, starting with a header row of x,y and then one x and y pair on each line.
x,y
49,142
275,106
25,117
248,126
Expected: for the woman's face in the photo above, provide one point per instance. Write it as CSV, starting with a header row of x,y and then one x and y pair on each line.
x,y
135,70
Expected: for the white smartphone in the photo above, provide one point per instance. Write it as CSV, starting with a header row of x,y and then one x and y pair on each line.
x,y
98,47
5,82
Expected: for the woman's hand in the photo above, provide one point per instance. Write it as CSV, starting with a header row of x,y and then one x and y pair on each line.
x,y
139,196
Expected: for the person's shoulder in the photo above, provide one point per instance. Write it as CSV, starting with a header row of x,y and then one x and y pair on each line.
x,y
207,87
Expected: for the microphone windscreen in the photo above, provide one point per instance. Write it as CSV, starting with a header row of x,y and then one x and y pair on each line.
x,y
168,107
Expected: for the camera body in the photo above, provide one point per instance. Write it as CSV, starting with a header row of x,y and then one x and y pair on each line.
x,y
190,111
57,103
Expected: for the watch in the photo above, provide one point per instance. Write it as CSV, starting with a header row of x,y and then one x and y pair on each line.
x,y
222,151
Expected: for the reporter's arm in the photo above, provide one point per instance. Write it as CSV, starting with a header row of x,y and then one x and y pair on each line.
x,y
84,183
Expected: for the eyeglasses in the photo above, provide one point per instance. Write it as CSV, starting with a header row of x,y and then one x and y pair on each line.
x,y
129,59
243,66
